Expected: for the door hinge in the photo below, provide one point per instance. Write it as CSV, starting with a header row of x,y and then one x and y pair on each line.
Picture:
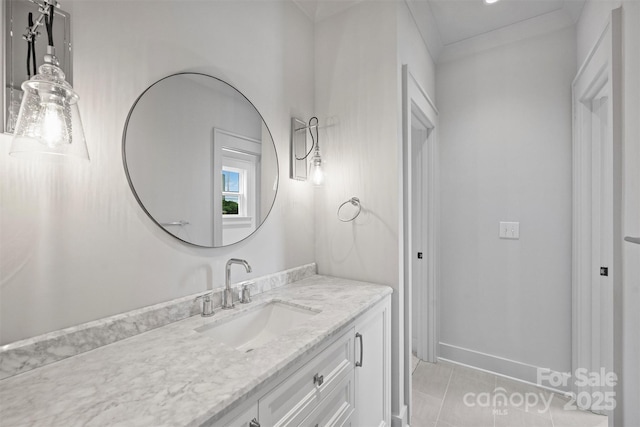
x,y
604,271
419,255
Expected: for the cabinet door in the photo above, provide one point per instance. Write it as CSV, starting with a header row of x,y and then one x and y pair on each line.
x,y
372,371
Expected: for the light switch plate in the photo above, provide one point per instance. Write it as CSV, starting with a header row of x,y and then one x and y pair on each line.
x,y
509,230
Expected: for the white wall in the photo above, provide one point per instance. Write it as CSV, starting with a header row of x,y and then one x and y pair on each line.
x,y
359,54
75,244
594,17
413,51
356,101
505,144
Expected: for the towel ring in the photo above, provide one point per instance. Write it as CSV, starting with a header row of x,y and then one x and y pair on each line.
x,y
353,201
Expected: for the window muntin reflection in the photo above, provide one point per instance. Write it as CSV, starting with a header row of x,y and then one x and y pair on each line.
x,y
234,198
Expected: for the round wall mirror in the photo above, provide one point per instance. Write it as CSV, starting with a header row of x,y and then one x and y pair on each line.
x,y
200,160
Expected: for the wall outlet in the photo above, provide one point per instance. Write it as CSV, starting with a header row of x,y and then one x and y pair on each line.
x,y
509,230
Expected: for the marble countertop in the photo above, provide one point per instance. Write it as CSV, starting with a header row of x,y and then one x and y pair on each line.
x,y
174,376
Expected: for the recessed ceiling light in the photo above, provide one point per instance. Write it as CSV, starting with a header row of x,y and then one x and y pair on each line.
x,y
491,1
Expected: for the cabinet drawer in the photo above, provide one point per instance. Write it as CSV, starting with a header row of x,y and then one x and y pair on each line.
x,y
240,417
293,400
336,409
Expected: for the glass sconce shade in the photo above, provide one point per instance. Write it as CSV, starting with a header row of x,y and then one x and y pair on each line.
x,y
49,120
316,172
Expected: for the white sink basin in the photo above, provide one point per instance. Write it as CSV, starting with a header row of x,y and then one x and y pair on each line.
x,y
251,329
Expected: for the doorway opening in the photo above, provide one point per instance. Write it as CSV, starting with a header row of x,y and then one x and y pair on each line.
x,y
420,208
423,307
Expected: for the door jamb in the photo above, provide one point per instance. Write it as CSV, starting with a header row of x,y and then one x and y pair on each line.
x,y
604,63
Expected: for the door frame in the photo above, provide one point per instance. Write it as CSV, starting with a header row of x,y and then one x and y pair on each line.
x,y
416,99
602,69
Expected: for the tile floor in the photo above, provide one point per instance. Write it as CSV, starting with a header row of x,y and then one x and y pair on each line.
x,y
441,399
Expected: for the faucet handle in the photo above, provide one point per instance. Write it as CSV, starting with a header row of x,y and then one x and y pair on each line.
x,y
207,304
245,294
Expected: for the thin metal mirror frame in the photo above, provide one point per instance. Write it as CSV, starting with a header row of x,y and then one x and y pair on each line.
x,y
7,27
133,190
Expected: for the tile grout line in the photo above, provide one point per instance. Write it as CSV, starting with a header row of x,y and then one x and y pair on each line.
x,y
413,371
444,396
553,423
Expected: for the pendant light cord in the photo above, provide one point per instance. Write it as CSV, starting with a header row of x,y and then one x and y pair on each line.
x,y
46,12
314,142
31,50
33,56
48,23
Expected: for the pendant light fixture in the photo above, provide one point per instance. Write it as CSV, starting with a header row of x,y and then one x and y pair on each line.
x,y
48,123
315,166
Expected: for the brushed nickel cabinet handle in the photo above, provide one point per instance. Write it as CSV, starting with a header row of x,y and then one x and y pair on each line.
x,y
359,363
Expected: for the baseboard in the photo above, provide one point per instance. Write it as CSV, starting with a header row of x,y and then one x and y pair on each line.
x,y
497,365
400,420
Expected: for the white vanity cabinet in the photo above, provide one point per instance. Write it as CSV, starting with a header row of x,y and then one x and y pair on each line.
x,y
347,383
241,417
373,367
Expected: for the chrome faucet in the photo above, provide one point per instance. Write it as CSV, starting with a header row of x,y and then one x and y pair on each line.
x,y
227,297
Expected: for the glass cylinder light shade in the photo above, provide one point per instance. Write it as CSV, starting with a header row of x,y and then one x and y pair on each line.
x,y
49,121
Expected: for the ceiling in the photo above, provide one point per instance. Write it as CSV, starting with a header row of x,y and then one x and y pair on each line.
x,y
458,20
453,25
321,9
